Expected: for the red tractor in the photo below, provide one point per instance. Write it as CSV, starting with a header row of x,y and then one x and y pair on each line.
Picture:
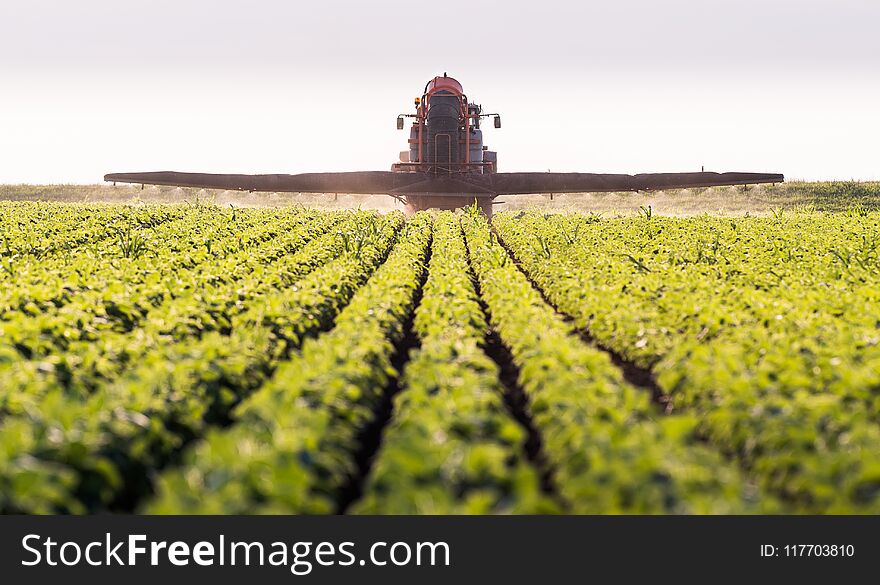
x,y
446,166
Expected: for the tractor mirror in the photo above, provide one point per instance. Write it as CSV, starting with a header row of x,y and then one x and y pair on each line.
x,y
498,121
399,123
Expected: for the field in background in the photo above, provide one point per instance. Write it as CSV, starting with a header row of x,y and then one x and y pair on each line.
x,y
754,200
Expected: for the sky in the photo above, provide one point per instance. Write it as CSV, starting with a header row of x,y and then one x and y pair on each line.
x,y
95,86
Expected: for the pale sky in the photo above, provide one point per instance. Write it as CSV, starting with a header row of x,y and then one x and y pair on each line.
x,y
96,86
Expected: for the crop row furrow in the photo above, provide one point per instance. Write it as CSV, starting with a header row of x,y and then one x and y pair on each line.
x,y
129,291
451,446
137,256
127,235
133,291
39,231
294,444
92,358
780,370
100,453
609,452
635,374
518,405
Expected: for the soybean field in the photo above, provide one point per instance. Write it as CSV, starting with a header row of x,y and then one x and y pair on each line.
x,y
203,359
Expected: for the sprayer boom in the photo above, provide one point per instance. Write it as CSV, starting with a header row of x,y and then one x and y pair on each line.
x,y
446,166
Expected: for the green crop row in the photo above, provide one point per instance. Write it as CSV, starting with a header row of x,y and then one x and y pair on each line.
x,y
763,329
111,266
192,358
451,447
37,231
133,288
294,442
78,356
80,455
609,450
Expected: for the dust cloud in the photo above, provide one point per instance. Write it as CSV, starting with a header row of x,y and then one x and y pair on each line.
x,y
736,200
